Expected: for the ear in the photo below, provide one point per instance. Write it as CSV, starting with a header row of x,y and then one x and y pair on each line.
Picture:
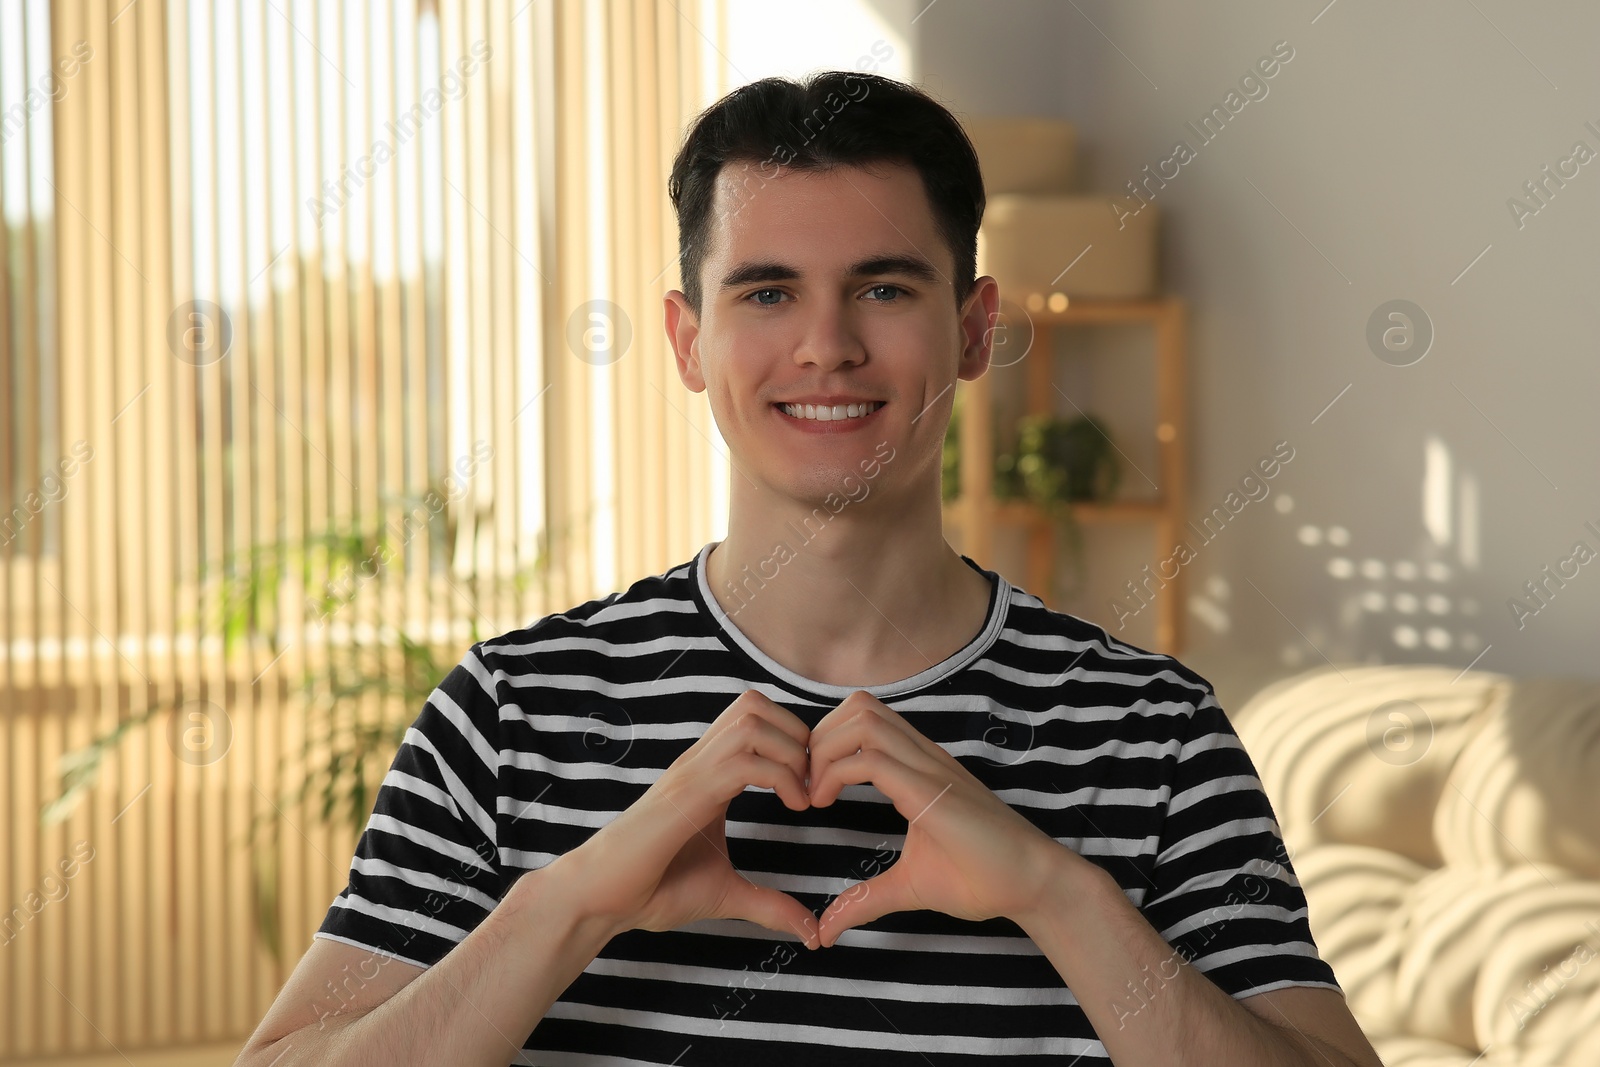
x,y
979,321
683,331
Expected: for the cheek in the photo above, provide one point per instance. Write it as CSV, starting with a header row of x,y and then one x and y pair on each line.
x,y
914,354
746,366
733,392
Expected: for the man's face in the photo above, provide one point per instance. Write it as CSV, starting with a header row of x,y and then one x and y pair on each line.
x,y
829,285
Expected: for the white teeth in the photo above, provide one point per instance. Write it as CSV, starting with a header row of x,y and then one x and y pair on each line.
x,y
829,414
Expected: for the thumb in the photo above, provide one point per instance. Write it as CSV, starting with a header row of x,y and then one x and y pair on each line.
x,y
866,901
771,908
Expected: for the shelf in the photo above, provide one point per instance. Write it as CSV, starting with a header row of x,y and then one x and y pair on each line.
x,y
1058,309
977,514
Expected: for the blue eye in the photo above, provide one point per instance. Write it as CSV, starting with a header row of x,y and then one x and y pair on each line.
x,y
895,292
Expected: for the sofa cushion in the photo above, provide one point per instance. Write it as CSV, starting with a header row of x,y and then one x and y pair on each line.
x,y
1353,895
1362,759
1406,1051
1523,787
1540,979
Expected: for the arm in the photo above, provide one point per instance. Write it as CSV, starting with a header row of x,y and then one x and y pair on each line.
x,y
1148,1006
661,864
476,1005
971,856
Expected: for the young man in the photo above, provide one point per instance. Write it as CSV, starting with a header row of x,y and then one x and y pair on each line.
x,y
829,790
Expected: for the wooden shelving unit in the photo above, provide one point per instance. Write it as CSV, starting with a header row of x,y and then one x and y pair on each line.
x,y
976,512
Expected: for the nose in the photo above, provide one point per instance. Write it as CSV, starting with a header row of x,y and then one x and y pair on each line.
x,y
828,339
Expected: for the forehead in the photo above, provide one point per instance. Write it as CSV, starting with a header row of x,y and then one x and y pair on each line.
x,y
822,217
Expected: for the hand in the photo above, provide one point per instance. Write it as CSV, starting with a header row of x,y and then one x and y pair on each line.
x,y
664,863
967,853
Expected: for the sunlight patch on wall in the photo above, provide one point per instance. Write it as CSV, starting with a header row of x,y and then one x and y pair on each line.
x,y
1416,608
1436,490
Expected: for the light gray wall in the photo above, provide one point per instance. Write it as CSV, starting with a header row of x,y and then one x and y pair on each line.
x,y
1377,167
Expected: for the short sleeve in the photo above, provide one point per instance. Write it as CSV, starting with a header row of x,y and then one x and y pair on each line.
x,y
426,869
1225,893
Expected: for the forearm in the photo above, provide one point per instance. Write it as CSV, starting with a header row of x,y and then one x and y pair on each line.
x,y
1145,1002
480,1001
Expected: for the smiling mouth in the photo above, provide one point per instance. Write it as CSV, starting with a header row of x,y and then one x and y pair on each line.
x,y
836,413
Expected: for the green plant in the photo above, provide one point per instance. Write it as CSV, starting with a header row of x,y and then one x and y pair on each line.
x,y
950,483
1059,462
381,668
1066,460
1005,486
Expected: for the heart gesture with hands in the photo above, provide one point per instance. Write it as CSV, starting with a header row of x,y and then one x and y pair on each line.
x,y
664,861
967,853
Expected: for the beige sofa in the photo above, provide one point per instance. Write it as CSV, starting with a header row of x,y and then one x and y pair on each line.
x,y
1446,827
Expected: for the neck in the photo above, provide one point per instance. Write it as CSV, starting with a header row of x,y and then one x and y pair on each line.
x,y
859,591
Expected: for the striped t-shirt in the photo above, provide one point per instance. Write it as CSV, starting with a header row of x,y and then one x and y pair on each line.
x,y
538,738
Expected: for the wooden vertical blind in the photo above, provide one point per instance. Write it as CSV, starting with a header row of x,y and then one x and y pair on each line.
x,y
276,268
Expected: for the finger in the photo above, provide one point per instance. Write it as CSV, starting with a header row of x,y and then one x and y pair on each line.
x,y
773,909
911,791
697,795
855,705
753,769
866,901
869,732
864,740
841,731
703,793
781,716
753,732
860,701
760,704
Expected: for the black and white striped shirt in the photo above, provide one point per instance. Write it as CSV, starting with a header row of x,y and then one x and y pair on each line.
x,y
538,738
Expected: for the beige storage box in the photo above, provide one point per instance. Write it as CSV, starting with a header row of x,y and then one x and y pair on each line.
x,y
1028,242
1023,154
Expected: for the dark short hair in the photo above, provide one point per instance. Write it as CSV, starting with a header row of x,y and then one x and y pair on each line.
x,y
832,118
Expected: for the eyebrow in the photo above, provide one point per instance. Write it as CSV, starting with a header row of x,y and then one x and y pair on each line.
x,y
774,271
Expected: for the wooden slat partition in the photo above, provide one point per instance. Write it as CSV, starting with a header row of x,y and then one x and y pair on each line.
x,y
384,324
